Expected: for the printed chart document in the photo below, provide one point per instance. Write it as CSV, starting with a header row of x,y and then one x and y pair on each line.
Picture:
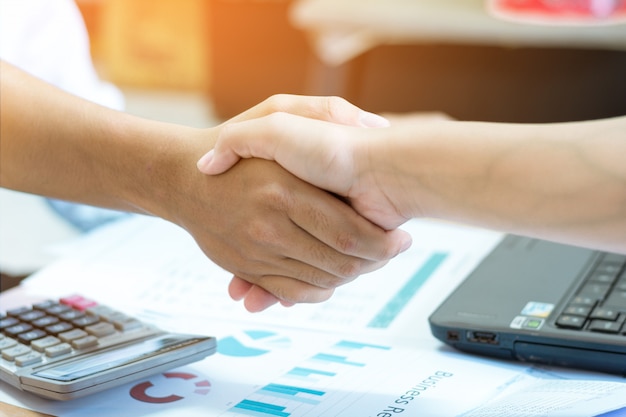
x,y
154,266
366,352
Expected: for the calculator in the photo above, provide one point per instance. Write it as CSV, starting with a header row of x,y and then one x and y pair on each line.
x,y
70,347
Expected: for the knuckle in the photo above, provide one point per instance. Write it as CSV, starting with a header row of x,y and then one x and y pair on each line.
x,y
335,106
327,281
263,233
350,269
276,102
276,196
346,242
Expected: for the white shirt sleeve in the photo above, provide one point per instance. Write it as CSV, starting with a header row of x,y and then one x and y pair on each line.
x,y
48,39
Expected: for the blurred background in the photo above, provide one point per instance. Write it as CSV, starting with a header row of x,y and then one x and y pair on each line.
x,y
199,62
452,56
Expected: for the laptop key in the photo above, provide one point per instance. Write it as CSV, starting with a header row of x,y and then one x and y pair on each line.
x,y
571,322
574,310
583,300
605,326
604,313
616,300
594,290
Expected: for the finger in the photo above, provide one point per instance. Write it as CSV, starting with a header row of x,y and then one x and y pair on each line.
x,y
286,290
343,230
320,153
327,108
257,299
238,288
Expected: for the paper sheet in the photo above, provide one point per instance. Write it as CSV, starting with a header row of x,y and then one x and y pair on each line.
x,y
151,266
366,352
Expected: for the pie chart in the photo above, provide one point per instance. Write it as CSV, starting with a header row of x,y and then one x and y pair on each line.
x,y
251,343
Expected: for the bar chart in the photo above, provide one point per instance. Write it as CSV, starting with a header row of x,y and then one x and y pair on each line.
x,y
305,386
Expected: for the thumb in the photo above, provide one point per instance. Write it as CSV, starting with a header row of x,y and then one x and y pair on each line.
x,y
210,165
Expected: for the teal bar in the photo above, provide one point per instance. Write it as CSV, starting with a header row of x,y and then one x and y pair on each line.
x,y
305,372
289,396
262,409
336,359
289,390
395,306
356,345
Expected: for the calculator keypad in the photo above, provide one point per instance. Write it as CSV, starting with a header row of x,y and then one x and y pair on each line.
x,y
57,329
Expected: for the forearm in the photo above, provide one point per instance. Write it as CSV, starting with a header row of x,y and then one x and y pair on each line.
x,y
565,182
61,146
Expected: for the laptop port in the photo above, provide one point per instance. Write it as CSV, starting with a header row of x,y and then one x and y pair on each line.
x,y
482,337
453,336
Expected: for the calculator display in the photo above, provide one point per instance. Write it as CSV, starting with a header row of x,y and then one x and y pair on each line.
x,y
90,365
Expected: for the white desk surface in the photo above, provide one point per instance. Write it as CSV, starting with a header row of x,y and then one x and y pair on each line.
x,y
147,266
341,30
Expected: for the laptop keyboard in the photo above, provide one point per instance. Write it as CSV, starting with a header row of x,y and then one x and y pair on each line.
x,y
599,305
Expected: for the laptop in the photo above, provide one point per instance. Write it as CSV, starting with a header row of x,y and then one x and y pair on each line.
x,y
541,302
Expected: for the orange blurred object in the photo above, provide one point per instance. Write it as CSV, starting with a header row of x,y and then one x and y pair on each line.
x,y
150,44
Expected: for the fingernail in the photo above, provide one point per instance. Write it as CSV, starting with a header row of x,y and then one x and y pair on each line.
x,y
368,119
206,159
408,241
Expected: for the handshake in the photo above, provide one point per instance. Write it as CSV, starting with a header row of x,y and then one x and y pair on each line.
x,y
327,236
299,195
510,177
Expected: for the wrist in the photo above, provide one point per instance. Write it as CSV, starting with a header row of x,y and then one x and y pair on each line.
x,y
157,169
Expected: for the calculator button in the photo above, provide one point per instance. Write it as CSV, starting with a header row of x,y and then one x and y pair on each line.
x,y
72,334
8,322
17,329
71,315
98,310
103,312
45,321
44,305
32,315
28,359
28,337
101,329
115,316
61,327
86,321
7,343
58,350
17,350
41,345
127,324
85,342
18,311
57,309
78,302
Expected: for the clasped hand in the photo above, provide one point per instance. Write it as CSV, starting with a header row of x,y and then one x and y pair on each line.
x,y
283,238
